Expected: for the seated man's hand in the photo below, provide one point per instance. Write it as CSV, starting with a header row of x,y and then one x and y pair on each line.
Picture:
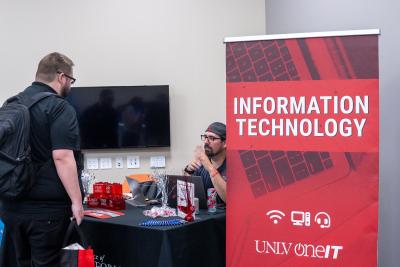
x,y
193,166
201,157
197,162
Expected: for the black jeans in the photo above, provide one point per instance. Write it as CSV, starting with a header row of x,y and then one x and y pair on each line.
x,y
35,242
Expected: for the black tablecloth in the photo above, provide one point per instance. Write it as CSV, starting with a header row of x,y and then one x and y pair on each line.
x,y
120,241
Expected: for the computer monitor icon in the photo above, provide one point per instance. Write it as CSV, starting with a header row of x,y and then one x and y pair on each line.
x,y
300,218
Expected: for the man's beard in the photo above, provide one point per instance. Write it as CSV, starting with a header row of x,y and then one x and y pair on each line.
x,y
65,91
208,151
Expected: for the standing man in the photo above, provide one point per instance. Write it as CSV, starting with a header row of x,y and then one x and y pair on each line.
x,y
36,223
210,160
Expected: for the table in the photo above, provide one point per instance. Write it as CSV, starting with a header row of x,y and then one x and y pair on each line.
x,y
121,242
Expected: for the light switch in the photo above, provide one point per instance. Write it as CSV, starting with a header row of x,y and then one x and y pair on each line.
x,y
105,163
157,162
119,163
92,163
132,162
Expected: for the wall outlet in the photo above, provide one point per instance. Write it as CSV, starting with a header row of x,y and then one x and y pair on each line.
x,y
92,163
119,163
132,162
105,163
157,162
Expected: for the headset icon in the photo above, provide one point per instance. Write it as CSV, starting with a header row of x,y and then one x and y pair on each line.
x,y
323,219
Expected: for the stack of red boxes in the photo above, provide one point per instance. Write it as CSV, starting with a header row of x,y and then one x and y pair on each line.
x,y
107,196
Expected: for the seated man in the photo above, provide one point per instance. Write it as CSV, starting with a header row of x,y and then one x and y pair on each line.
x,y
209,161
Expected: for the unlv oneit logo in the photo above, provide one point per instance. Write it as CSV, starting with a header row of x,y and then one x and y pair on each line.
x,y
299,249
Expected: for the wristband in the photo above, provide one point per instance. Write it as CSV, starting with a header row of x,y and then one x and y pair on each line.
x,y
213,173
187,171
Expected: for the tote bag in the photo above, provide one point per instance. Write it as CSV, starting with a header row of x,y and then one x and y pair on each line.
x,y
76,257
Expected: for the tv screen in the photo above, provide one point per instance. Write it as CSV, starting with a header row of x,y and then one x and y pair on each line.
x,y
122,116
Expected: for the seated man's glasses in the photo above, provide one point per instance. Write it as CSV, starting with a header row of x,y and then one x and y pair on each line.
x,y
209,137
69,77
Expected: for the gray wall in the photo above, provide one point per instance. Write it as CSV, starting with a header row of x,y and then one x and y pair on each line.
x,y
289,16
133,42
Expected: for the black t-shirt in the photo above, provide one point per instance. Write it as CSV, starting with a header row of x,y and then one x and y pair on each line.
x,y
207,179
53,126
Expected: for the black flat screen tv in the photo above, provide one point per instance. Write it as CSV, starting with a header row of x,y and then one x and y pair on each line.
x,y
122,116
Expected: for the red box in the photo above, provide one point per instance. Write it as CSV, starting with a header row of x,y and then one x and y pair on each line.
x,y
107,196
108,189
104,203
93,201
117,189
99,189
116,203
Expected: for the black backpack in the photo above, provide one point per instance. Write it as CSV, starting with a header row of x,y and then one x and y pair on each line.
x,y
16,167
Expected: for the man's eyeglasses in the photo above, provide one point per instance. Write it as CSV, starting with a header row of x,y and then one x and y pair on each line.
x,y
209,137
69,77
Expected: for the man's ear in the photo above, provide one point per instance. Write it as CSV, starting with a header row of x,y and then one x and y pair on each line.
x,y
224,144
59,77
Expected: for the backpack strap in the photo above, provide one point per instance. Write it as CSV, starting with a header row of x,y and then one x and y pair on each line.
x,y
29,100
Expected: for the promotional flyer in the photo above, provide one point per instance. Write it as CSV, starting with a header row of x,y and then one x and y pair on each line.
x,y
303,149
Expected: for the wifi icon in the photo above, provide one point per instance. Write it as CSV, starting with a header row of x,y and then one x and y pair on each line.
x,y
275,215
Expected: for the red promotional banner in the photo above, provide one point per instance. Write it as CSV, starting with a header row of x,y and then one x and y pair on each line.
x,y
303,151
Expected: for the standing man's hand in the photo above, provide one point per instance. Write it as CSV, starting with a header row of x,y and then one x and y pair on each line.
x,y
77,212
66,169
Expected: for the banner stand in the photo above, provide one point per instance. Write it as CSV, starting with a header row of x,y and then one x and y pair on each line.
x,y
303,149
